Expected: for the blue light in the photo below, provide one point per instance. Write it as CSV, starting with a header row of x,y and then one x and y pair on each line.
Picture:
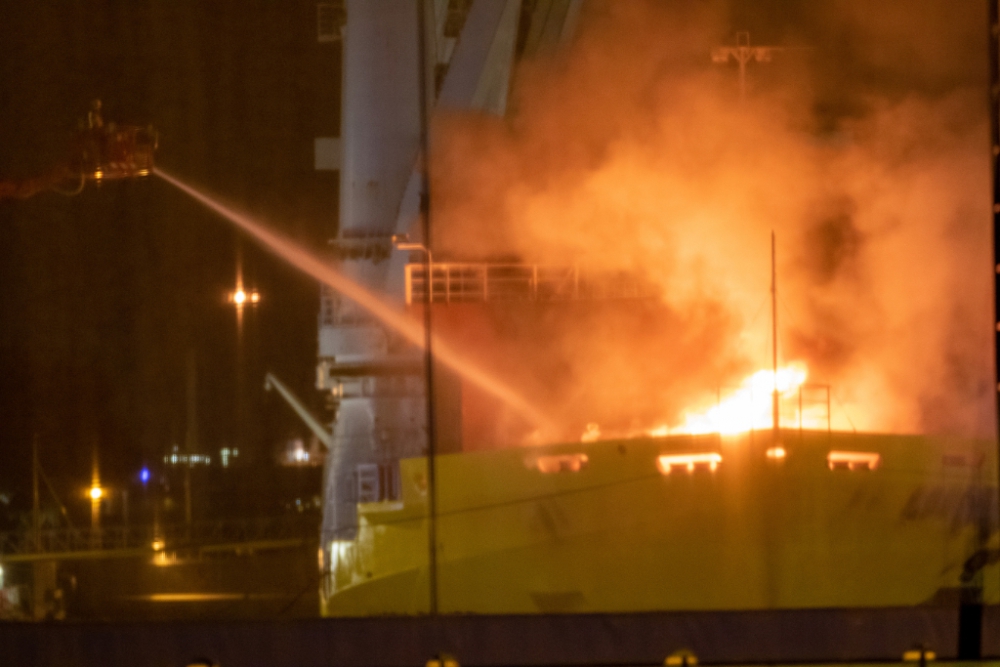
x,y
144,475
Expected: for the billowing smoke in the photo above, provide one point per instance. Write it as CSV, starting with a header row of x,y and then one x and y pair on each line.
x,y
864,146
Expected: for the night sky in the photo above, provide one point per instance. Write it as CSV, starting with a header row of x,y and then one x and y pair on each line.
x,y
105,294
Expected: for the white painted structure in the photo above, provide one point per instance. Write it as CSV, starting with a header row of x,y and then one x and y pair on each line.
x,y
375,380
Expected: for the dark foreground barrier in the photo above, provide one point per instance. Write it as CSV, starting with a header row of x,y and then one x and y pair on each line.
x,y
830,635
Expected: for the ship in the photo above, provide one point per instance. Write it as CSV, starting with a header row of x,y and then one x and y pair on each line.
x,y
420,516
690,523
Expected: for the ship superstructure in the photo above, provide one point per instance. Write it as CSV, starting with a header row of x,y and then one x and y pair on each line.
x,y
376,381
781,519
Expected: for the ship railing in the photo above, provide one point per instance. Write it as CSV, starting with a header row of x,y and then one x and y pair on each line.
x,y
478,282
159,537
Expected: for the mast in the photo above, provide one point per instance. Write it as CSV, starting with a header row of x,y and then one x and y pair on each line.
x,y
774,341
95,503
426,98
36,510
191,437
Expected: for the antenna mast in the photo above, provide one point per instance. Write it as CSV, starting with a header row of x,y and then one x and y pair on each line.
x,y
774,341
744,54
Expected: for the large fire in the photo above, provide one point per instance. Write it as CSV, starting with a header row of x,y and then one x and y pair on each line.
x,y
750,406
632,152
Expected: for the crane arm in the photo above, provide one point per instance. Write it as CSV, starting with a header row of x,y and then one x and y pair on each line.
x,y
324,435
100,151
29,187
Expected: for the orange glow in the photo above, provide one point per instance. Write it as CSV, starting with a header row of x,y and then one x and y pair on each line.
x,y
408,327
191,597
748,407
96,492
162,559
919,655
853,460
690,462
776,453
560,463
687,189
241,297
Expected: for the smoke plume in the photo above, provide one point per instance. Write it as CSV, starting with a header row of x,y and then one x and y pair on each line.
x,y
863,145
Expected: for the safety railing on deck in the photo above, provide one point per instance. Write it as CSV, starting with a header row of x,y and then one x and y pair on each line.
x,y
200,535
457,283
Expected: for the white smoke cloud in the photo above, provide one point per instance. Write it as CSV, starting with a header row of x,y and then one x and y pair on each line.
x,y
631,150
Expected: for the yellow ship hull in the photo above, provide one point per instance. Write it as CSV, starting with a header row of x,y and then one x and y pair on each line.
x,y
723,525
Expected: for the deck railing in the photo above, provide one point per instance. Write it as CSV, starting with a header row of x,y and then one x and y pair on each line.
x,y
463,282
197,535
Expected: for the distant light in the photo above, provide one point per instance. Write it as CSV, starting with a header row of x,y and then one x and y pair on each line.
x,y
96,492
158,545
776,453
667,462
296,453
240,297
561,463
853,460
681,658
144,475
444,660
592,433
919,655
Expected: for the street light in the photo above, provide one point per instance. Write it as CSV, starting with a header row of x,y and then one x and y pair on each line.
x,y
95,493
402,242
240,297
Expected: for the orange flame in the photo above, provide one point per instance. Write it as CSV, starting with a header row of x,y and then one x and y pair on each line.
x,y
747,408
